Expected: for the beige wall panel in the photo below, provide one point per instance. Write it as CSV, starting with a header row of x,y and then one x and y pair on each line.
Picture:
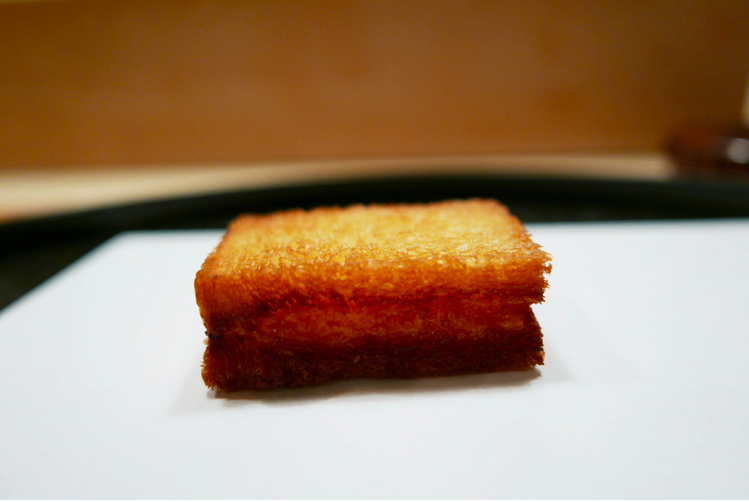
x,y
191,81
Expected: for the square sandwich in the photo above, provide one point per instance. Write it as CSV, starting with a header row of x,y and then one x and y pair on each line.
x,y
380,291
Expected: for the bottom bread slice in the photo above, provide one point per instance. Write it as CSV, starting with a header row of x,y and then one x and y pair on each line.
x,y
305,346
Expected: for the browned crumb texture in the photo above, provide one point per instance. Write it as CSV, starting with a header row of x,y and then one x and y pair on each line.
x,y
302,297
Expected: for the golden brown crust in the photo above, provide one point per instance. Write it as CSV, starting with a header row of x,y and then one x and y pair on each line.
x,y
351,284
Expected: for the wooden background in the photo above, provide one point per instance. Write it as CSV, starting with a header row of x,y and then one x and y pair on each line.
x,y
136,81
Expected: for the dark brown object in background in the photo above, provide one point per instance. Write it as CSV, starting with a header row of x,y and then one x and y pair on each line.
x,y
711,152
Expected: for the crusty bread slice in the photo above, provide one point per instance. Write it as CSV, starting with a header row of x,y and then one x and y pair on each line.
x,y
301,297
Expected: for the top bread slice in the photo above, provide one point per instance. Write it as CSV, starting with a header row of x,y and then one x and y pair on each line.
x,y
404,252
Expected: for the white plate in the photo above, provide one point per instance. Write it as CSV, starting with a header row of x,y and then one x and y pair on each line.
x,y
644,393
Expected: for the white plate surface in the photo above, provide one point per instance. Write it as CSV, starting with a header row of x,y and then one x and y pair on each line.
x,y
645,392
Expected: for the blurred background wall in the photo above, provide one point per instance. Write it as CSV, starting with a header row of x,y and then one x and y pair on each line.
x,y
136,81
